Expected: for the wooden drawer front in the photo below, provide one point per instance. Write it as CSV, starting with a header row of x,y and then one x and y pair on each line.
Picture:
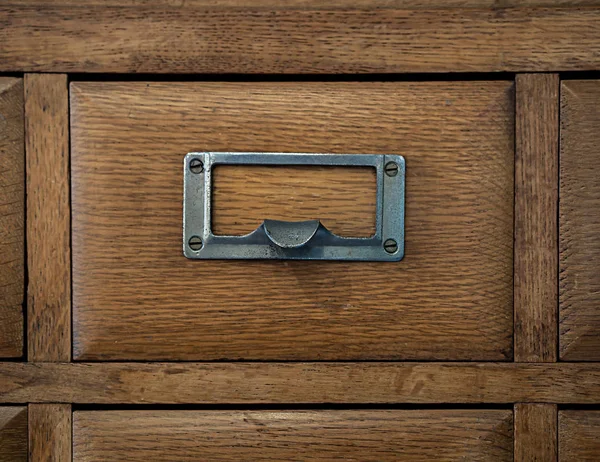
x,y
580,221
292,435
13,434
579,436
136,297
12,217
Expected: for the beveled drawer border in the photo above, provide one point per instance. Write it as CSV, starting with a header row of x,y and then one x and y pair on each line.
x,y
536,209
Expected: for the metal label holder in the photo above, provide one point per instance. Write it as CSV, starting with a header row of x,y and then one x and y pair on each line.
x,y
306,240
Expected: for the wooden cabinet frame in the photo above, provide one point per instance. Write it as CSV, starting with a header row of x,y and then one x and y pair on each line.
x,y
61,38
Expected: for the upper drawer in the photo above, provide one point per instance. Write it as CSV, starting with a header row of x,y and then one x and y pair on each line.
x,y
579,221
135,296
366,435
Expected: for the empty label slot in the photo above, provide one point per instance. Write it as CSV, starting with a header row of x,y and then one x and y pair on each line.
x,y
343,198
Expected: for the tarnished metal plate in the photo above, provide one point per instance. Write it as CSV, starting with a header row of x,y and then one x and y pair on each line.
x,y
307,240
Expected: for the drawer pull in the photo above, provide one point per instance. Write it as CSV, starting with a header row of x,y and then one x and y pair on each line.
x,y
287,240
290,234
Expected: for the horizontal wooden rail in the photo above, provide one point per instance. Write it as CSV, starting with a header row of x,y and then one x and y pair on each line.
x,y
287,383
68,37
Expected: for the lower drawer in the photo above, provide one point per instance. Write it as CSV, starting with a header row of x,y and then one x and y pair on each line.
x,y
579,436
366,435
13,434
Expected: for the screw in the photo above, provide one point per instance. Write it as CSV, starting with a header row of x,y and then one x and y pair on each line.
x,y
196,166
195,243
391,169
390,246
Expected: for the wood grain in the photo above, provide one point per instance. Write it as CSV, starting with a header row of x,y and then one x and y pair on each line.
x,y
136,297
366,435
536,432
318,4
12,217
579,435
303,383
580,221
343,198
13,434
50,429
48,37
48,218
536,215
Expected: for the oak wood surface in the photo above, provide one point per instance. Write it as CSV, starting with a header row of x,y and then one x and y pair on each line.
x,y
286,383
13,434
318,4
366,435
536,215
343,198
12,217
579,435
136,297
50,37
580,221
50,429
48,218
536,432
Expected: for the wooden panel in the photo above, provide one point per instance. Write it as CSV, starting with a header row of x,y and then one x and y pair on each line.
x,y
12,217
50,432
536,214
293,435
136,297
318,4
580,221
536,432
165,39
13,434
259,383
579,435
48,218
343,198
